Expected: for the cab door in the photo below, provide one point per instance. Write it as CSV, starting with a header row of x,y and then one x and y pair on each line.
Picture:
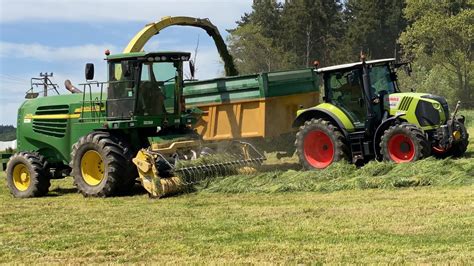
x,y
343,88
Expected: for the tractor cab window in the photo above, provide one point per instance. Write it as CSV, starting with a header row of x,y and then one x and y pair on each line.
x,y
344,89
381,80
157,88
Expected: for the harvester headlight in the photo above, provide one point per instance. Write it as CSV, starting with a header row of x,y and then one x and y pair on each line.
x,y
150,59
184,58
157,58
163,58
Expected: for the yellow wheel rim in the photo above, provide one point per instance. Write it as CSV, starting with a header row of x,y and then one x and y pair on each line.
x,y
21,177
92,168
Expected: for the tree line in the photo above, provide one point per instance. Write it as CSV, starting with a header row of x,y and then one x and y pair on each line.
x,y
436,36
7,133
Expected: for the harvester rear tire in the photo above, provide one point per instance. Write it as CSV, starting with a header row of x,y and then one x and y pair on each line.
x,y
101,165
319,143
28,175
404,143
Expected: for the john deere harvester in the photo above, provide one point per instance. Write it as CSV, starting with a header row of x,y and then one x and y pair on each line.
x,y
134,125
365,116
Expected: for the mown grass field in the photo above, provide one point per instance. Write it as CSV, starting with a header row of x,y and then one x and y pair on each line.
x,y
381,213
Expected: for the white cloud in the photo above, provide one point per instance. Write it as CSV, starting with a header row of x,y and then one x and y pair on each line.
x,y
221,12
49,54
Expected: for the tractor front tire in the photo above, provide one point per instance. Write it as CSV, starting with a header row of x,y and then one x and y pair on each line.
x,y
101,165
460,147
28,175
319,144
404,143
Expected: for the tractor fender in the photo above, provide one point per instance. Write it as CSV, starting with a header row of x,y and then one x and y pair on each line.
x,y
379,132
320,113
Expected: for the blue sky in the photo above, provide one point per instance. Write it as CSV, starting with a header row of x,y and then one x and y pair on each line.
x,y
61,36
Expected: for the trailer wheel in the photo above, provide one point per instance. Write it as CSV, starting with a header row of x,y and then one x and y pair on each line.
x,y
28,175
404,143
319,144
101,165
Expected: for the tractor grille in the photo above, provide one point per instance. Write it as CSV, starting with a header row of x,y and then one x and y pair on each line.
x,y
405,103
51,126
52,110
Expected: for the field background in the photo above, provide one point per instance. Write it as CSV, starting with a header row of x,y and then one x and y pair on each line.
x,y
381,213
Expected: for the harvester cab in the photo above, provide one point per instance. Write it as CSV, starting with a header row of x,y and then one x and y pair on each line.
x,y
366,116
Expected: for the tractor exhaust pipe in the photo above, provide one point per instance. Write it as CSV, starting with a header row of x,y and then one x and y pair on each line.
x,y
71,87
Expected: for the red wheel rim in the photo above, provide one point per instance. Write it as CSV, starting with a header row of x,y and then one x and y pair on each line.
x,y
439,150
401,148
318,149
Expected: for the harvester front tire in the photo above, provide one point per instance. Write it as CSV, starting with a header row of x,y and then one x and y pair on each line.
x,y
101,165
28,175
319,143
404,143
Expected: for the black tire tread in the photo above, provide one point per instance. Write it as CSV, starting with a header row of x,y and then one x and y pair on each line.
x,y
117,157
39,174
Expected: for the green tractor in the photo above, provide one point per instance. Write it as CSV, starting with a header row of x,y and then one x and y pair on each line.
x,y
134,125
365,116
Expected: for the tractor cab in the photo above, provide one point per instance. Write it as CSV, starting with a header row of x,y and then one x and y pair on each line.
x,y
344,88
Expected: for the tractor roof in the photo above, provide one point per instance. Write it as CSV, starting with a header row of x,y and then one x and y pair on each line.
x,y
352,65
146,54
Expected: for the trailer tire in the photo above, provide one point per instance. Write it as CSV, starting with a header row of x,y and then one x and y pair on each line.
x,y
319,143
404,143
101,165
28,175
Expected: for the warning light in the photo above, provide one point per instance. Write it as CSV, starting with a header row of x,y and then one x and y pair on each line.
x,y
107,52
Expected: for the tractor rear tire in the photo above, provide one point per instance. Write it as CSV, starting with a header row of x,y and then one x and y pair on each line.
x,y
101,165
28,175
404,143
319,144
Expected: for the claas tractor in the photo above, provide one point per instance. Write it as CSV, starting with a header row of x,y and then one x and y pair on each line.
x,y
107,136
365,116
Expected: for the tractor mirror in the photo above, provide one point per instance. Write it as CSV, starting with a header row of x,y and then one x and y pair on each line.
x,y
89,71
192,68
31,95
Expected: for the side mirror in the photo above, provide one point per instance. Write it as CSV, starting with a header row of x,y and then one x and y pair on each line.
x,y
31,95
89,71
192,68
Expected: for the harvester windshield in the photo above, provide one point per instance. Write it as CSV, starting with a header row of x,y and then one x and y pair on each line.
x,y
144,84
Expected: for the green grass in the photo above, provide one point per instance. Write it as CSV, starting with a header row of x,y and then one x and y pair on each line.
x,y
381,213
356,226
